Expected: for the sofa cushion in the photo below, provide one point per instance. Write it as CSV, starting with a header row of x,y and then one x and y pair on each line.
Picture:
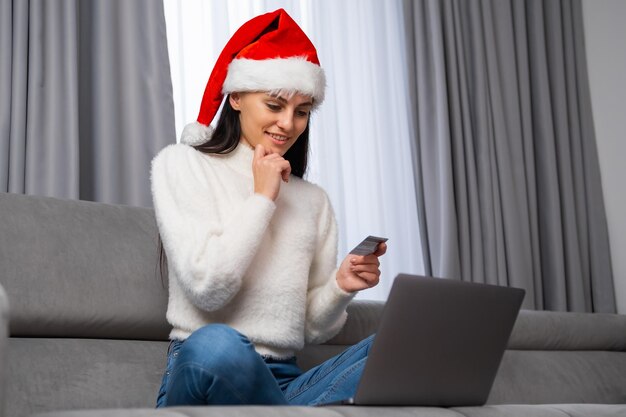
x,y
549,330
533,330
81,269
566,376
64,374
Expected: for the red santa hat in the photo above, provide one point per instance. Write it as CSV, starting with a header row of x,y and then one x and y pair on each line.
x,y
268,53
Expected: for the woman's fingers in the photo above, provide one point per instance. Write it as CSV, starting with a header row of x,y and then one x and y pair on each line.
x,y
286,171
365,267
370,278
364,260
381,249
268,170
259,152
358,272
367,271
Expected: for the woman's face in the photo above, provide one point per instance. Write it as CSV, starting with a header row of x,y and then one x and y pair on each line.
x,y
273,121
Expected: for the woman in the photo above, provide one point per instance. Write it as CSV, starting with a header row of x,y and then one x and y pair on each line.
x,y
251,246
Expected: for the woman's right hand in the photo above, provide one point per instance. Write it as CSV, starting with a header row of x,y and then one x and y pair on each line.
x,y
268,170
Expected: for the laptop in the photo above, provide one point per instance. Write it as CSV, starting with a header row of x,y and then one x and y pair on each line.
x,y
439,343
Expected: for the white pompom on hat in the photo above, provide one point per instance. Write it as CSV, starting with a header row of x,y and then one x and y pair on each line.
x,y
268,53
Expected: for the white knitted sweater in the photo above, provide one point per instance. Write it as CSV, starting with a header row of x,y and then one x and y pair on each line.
x,y
265,268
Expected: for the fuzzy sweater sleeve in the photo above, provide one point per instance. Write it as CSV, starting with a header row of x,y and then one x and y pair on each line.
x,y
208,255
326,302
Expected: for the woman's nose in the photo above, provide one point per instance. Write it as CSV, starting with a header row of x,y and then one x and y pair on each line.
x,y
285,121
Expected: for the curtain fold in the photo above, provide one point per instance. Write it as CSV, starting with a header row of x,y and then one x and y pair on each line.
x,y
86,98
505,154
359,149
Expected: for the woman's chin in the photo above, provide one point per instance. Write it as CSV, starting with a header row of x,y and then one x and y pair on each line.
x,y
280,149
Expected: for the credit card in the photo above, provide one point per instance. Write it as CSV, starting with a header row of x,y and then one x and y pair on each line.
x,y
368,245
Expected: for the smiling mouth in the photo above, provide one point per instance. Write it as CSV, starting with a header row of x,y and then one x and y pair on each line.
x,y
278,138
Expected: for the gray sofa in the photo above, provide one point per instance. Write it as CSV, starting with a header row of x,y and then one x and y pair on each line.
x,y
88,333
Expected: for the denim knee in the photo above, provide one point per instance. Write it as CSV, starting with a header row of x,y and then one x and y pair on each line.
x,y
217,348
218,365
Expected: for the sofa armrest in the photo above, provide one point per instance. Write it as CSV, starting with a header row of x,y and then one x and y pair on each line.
x,y
4,334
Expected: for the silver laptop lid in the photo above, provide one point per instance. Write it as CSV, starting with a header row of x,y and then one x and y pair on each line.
x,y
439,343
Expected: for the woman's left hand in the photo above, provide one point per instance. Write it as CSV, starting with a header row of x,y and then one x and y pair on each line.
x,y
358,272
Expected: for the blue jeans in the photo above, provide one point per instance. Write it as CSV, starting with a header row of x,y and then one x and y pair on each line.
x,y
218,365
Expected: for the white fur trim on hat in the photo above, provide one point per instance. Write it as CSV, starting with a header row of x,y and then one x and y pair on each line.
x,y
290,74
196,134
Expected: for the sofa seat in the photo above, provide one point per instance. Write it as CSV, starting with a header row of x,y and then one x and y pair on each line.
x,y
512,410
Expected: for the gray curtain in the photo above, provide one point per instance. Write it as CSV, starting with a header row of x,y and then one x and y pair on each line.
x,y
506,164
85,98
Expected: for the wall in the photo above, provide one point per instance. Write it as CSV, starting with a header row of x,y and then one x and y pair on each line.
x,y
605,37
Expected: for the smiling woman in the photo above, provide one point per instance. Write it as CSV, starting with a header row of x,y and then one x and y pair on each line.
x,y
360,139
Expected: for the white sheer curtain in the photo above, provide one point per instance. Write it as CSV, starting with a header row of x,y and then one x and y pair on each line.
x,y
360,149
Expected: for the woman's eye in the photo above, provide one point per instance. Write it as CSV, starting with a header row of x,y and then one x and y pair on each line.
x,y
273,107
302,113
